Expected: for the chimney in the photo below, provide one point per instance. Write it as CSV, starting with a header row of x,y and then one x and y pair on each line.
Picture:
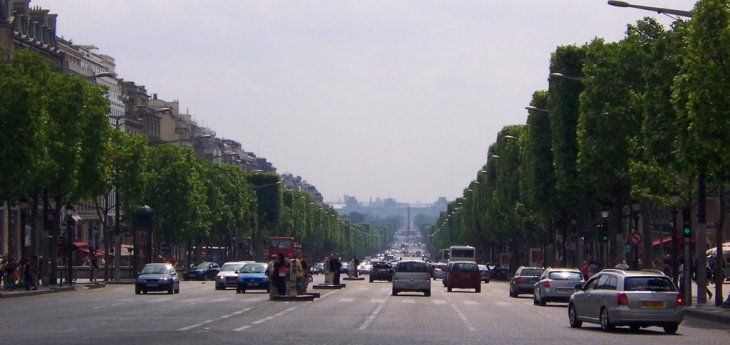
x,y
154,96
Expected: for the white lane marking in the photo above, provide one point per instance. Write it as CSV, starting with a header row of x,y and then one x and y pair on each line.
x,y
346,300
377,300
371,317
471,302
502,304
409,301
550,316
188,300
262,320
214,320
160,300
241,328
363,288
439,301
463,318
220,300
327,294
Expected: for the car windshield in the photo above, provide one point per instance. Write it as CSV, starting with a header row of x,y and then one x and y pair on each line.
x,y
531,272
412,267
465,268
155,269
565,276
648,284
482,268
253,268
202,265
231,267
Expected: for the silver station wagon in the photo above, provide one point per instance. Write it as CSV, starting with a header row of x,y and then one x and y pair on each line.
x,y
627,298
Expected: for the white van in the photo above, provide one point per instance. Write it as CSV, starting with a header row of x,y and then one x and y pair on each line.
x,y
411,275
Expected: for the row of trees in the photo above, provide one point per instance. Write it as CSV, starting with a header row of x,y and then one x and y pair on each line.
x,y
633,121
57,142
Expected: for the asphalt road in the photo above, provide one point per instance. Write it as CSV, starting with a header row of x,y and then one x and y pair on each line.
x,y
362,313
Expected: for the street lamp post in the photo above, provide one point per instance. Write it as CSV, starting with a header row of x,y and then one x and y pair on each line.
x,y
70,210
23,244
660,10
635,208
94,262
675,250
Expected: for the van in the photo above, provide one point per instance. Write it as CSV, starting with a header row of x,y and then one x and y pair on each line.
x,y
411,275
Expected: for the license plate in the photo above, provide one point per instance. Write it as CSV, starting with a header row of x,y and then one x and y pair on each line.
x,y
412,286
253,284
232,280
151,284
653,304
565,290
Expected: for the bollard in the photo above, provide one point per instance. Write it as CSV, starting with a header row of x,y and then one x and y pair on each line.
x,y
726,304
327,274
351,269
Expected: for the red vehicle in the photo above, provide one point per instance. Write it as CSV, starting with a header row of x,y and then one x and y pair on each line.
x,y
463,275
283,244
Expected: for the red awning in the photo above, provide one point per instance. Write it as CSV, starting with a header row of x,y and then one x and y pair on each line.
x,y
668,241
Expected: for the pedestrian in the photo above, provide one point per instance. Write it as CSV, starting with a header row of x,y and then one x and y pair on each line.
x,y
38,272
173,261
11,270
27,274
94,268
299,273
356,263
280,274
306,267
584,269
335,266
592,268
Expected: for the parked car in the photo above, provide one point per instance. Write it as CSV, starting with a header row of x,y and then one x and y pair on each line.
x,y
463,275
484,272
627,298
227,275
524,280
203,271
253,276
556,285
157,277
381,270
411,275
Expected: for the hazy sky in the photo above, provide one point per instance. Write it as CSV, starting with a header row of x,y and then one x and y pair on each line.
x,y
390,99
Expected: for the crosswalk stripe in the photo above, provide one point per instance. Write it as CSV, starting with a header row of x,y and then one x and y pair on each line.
x,y
346,300
439,301
409,301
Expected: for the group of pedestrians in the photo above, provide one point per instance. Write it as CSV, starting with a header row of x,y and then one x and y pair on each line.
x,y
590,268
279,267
13,272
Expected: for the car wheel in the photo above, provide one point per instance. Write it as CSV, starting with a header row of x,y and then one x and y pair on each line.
x,y
178,289
534,300
573,318
543,302
144,292
427,293
371,279
634,328
448,288
478,289
137,291
671,329
605,321
394,292
243,290
170,290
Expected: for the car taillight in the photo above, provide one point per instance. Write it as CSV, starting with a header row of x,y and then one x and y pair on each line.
x,y
622,299
680,299
546,284
518,280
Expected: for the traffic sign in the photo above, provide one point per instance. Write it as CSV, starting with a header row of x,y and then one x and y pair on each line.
x,y
635,238
627,248
164,247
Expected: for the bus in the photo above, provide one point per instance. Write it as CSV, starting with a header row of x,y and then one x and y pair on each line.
x,y
443,255
462,253
283,244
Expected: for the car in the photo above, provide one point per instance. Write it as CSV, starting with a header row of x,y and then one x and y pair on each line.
x,y
364,267
203,271
381,270
437,271
157,277
556,285
345,268
484,272
253,276
227,275
524,280
463,275
411,275
317,268
636,299
497,272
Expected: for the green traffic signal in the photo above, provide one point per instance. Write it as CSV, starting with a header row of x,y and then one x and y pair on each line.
x,y
687,231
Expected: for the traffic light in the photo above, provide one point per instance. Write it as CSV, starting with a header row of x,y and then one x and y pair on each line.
x,y
686,222
603,232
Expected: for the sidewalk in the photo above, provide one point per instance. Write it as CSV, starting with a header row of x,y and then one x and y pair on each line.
x,y
709,311
20,292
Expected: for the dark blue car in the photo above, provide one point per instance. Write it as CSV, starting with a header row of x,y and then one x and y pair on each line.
x,y
253,276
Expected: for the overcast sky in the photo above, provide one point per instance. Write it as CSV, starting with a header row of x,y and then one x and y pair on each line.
x,y
389,99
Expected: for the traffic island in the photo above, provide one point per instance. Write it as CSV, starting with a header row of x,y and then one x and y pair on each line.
x,y
94,285
329,287
300,298
313,294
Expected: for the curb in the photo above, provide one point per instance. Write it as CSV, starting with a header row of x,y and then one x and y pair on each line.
x,y
119,282
37,292
95,285
722,316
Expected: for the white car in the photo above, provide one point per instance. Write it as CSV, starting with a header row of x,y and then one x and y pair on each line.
x,y
411,275
228,274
